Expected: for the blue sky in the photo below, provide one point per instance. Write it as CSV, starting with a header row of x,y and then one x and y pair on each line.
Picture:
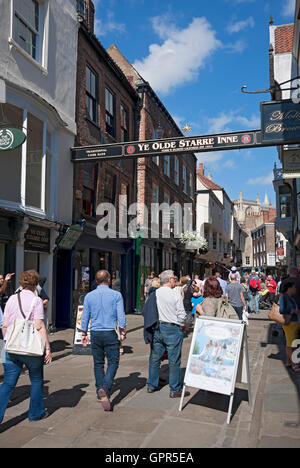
x,y
197,55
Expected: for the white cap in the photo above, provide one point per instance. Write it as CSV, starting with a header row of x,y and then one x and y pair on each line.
x,y
233,268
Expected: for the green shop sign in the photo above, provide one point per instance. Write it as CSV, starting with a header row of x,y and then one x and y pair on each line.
x,y
11,138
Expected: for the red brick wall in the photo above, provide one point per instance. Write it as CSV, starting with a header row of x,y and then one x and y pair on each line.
x,y
89,133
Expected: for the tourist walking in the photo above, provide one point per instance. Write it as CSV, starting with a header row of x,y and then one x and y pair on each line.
x,y
289,309
104,308
222,282
234,271
235,295
254,288
211,298
271,285
168,336
25,300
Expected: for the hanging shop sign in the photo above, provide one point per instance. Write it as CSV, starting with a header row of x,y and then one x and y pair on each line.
x,y
170,146
280,122
291,164
71,237
37,239
11,138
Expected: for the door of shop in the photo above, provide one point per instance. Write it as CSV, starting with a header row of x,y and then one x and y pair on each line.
x,y
63,316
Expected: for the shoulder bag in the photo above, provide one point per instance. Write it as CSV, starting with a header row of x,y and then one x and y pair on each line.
x,y
225,310
275,315
25,338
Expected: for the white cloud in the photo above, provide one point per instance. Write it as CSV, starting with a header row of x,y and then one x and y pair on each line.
x,y
210,157
240,25
288,8
262,180
103,27
180,57
231,120
229,164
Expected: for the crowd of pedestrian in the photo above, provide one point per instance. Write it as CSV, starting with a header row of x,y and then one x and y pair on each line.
x,y
171,307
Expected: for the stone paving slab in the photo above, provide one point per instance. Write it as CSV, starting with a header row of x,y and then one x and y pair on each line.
x,y
153,420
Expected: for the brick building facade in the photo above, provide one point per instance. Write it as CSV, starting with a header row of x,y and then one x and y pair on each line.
x,y
160,179
107,110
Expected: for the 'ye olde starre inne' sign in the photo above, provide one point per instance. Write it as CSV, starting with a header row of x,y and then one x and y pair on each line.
x,y
11,138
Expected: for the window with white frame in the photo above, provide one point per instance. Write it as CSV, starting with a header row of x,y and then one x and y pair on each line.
x,y
110,112
26,26
91,94
30,26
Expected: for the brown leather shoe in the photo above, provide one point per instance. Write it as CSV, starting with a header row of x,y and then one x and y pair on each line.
x,y
179,394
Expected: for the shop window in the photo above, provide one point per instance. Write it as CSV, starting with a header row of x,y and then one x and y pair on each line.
x,y
285,201
31,261
34,162
91,94
215,241
11,161
110,112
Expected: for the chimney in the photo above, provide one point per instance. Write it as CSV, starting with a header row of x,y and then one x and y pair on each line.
x,y
209,176
200,170
91,16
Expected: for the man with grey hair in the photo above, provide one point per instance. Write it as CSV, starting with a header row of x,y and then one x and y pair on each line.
x,y
168,336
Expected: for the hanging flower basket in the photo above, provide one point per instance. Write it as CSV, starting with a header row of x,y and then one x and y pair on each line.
x,y
193,242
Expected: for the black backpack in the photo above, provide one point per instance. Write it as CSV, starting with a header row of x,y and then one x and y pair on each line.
x,y
188,294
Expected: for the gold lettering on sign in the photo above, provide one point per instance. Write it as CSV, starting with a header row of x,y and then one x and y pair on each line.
x,y
279,128
290,115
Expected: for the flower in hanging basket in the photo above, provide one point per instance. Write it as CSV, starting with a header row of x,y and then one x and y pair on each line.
x,y
193,241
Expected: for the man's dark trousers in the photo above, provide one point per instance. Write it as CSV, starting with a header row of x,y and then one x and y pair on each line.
x,y
105,343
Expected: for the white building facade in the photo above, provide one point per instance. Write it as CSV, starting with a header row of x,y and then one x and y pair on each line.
x,y
216,223
37,95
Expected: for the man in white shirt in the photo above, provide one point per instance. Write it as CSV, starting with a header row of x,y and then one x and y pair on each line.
x,y
169,335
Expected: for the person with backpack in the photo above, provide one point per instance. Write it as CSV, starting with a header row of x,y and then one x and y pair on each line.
x,y
254,288
187,294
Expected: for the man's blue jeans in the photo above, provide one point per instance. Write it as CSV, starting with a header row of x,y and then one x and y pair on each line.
x,y
170,338
105,343
13,365
255,298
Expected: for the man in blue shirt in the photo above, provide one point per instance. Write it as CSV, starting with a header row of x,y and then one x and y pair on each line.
x,y
104,308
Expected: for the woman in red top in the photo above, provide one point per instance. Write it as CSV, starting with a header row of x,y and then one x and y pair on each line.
x,y
271,285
